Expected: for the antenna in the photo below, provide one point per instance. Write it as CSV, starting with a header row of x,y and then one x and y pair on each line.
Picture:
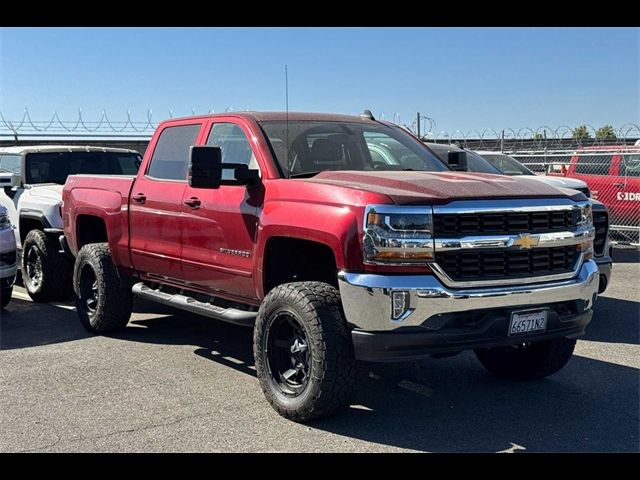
x,y
286,93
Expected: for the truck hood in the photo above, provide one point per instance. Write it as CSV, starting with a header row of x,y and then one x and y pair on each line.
x,y
440,187
50,191
563,182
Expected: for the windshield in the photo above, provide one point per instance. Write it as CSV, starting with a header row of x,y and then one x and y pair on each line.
x,y
54,167
507,165
316,146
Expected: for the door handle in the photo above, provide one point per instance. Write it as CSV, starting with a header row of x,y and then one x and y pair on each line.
x,y
193,202
140,198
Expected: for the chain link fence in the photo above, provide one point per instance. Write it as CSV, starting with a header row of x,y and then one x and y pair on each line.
x,y
613,177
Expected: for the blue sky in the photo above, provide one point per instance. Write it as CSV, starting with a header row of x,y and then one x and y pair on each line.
x,y
463,78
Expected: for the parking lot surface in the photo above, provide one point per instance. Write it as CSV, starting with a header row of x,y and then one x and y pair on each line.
x,y
173,381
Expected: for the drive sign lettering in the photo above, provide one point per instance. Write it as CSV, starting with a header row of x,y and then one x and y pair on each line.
x,y
631,196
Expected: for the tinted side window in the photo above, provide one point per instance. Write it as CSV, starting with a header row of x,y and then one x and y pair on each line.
x,y
170,158
10,162
234,144
630,165
593,164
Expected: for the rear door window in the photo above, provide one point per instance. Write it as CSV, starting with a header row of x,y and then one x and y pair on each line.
x,y
593,164
170,159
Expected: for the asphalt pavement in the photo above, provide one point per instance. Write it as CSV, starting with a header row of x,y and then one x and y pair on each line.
x,y
173,381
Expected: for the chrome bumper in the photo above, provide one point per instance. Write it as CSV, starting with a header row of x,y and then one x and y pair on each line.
x,y
367,298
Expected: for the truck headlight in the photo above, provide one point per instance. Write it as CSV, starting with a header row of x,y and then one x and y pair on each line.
x,y
586,216
586,222
4,221
398,235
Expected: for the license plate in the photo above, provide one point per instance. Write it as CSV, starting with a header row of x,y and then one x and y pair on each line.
x,y
528,321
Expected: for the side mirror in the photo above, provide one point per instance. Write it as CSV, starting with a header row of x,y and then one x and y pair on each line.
x,y
10,182
205,169
458,161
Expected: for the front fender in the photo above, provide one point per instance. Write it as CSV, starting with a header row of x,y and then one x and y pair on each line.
x,y
334,226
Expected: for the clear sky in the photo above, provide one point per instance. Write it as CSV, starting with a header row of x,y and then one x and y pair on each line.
x,y
464,78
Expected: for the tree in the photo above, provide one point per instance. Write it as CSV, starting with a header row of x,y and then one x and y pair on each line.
x,y
581,132
538,136
606,133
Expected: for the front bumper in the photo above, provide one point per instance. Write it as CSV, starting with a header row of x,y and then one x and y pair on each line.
x,y
439,319
605,265
7,246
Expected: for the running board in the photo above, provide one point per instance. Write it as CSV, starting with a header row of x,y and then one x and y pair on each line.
x,y
231,315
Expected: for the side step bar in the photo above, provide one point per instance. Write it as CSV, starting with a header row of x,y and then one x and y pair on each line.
x,y
231,315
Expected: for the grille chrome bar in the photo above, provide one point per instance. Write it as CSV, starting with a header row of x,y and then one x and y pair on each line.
x,y
541,240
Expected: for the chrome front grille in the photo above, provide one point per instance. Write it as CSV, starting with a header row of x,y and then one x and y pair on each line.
x,y
508,242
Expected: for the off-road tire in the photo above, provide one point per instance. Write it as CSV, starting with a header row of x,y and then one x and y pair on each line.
x,y
332,371
536,360
114,299
56,268
5,296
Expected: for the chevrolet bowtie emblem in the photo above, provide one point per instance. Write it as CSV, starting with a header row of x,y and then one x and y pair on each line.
x,y
525,242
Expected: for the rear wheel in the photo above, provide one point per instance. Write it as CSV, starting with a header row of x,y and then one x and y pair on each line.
x,y
103,299
46,273
528,361
303,351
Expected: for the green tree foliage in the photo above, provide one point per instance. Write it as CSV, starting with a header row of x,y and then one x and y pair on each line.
x,y
581,132
606,133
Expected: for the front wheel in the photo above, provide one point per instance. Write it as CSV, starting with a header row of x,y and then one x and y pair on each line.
x,y
528,361
103,299
303,351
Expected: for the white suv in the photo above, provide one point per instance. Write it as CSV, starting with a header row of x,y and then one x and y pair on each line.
x,y
8,257
32,178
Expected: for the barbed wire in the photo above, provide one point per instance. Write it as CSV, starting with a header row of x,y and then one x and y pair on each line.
x,y
506,138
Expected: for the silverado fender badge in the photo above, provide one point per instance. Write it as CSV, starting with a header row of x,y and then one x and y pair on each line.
x,y
237,253
526,241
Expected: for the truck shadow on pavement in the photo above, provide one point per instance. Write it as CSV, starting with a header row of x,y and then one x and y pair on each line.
x,y
615,320
451,404
27,324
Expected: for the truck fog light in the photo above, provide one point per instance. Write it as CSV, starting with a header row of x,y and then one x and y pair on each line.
x,y
400,305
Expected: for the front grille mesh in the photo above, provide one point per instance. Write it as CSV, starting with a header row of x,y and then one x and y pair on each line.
x,y
453,225
507,264
601,224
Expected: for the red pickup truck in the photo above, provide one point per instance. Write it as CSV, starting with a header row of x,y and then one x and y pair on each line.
x,y
337,238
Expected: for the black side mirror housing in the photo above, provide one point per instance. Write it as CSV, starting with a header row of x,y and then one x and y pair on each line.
x,y
457,160
205,169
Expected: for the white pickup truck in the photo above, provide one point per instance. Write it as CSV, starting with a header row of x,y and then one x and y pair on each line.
x,y
32,178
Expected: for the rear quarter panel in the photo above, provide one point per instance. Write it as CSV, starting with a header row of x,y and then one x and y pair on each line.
x,y
105,197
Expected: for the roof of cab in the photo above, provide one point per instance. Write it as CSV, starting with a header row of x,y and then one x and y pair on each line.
x,y
282,116
62,148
